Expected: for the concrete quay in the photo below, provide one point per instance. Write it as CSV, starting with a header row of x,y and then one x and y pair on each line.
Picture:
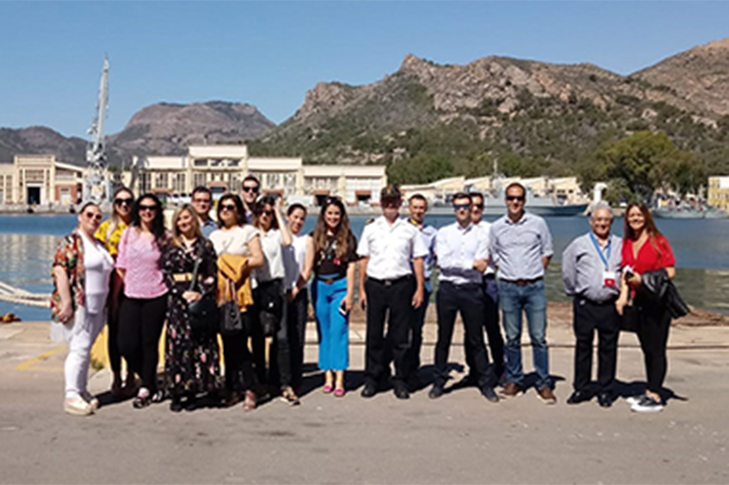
x,y
459,438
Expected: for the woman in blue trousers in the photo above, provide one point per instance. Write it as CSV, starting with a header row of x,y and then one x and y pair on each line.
x,y
331,256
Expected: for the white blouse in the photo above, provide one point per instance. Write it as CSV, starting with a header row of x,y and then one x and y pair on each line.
x,y
98,265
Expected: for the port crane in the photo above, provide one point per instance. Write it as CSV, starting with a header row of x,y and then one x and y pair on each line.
x,y
97,185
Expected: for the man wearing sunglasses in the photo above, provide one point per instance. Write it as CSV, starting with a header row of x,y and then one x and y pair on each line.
x,y
463,253
250,188
202,199
391,252
521,247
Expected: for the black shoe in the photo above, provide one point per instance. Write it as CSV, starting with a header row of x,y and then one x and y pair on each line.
x,y
401,392
489,393
176,405
579,396
605,399
369,390
415,383
469,380
436,391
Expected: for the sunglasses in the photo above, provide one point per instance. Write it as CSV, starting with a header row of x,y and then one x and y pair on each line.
x,y
519,198
123,201
267,213
147,207
461,207
477,206
200,201
91,215
228,207
250,189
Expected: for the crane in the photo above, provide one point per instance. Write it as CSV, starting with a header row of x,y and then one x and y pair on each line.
x,y
97,185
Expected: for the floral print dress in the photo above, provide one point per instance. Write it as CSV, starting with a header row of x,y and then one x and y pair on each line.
x,y
192,361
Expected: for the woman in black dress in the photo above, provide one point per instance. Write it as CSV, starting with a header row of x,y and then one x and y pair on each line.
x,y
192,360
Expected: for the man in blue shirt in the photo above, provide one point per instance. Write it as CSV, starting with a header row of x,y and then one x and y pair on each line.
x,y
590,267
462,252
418,206
202,200
521,247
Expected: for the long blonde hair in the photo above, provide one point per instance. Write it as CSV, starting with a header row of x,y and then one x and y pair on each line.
x,y
176,234
114,218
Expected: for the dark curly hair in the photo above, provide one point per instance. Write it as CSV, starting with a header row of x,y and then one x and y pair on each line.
x,y
158,223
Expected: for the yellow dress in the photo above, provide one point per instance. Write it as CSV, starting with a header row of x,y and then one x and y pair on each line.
x,y
111,241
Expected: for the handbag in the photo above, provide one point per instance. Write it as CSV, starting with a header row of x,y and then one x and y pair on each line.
x,y
270,308
231,321
629,320
204,313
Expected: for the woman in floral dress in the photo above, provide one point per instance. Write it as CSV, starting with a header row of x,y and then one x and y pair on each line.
x,y
192,360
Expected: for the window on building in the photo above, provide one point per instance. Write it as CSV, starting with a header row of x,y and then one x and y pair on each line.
x,y
178,183
145,182
200,162
161,180
199,179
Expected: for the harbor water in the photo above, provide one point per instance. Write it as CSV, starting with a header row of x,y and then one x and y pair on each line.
x,y
27,244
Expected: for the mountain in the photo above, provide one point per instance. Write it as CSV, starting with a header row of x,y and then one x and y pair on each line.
x,y
428,120
160,129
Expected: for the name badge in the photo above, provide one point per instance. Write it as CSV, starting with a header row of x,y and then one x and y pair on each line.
x,y
608,279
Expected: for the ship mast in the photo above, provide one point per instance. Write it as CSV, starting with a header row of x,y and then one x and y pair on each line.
x,y
96,182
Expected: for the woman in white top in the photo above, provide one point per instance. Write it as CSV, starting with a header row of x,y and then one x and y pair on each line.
x,y
269,298
296,292
81,272
236,237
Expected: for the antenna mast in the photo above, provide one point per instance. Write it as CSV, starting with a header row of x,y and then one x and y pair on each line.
x,y
96,182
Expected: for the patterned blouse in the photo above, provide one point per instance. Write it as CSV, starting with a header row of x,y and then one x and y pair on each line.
x,y
111,241
70,256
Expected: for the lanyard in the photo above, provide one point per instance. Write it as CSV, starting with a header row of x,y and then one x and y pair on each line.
x,y
608,248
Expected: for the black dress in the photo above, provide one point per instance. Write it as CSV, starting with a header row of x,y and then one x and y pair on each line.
x,y
192,361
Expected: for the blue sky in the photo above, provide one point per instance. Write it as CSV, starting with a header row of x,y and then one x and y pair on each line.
x,y
270,53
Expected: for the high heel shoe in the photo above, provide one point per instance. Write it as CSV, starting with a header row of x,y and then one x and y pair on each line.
x,y
339,392
249,403
327,389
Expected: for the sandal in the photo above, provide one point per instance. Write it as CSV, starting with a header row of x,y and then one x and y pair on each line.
x,y
249,403
339,392
327,389
140,402
289,396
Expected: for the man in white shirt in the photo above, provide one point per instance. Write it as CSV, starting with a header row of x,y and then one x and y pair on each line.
x,y
462,252
391,282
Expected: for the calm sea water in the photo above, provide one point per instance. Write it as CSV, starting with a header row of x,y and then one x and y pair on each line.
x,y
27,244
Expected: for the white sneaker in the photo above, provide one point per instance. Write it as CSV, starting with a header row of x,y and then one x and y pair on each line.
x,y
91,399
647,405
77,406
634,399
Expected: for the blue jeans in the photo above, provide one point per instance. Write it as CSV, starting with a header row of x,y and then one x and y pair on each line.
x,y
532,300
332,325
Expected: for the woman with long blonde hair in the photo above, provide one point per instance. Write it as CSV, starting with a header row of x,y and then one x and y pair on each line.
x,y
192,359
331,255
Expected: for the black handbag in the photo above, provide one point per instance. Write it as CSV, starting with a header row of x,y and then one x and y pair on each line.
x,y
270,308
231,321
204,313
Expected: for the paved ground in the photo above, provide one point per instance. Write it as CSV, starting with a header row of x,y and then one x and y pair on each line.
x,y
460,438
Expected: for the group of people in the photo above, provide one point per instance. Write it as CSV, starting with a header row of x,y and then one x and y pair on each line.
x,y
135,274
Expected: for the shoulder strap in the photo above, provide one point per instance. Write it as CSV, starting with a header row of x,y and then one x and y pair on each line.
x,y
194,274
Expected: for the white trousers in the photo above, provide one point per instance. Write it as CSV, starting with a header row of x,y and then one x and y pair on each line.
x,y
80,340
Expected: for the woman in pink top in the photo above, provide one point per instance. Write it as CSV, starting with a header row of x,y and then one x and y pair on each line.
x,y
142,313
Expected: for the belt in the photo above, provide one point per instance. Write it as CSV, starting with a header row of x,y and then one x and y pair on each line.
x,y
182,277
329,281
392,281
523,282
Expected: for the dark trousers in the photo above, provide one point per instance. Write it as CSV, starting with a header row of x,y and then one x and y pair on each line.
x,y
493,330
279,371
297,313
140,327
653,327
112,342
589,316
239,375
416,338
394,299
469,301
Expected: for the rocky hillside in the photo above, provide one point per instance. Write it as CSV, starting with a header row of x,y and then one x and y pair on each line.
x,y
160,129
428,120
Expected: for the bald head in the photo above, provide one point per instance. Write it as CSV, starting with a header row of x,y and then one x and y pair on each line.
x,y
601,220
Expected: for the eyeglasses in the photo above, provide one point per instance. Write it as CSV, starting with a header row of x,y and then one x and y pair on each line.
x,y
268,213
200,201
147,207
121,202
250,189
477,206
461,207
227,207
519,198
91,215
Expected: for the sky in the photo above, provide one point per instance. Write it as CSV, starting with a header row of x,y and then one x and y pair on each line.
x,y
270,53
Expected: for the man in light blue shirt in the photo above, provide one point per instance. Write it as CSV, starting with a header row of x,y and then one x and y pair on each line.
x,y
418,206
462,252
521,247
590,267
202,199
